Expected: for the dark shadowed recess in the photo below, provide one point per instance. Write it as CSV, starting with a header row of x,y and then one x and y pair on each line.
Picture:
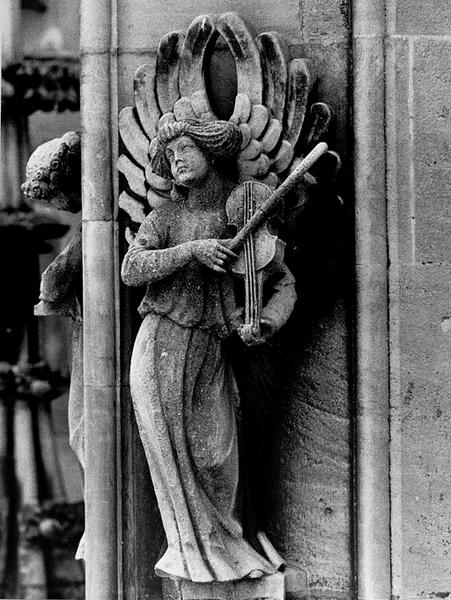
x,y
220,79
318,257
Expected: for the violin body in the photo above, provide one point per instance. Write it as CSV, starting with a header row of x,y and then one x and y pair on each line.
x,y
258,251
248,208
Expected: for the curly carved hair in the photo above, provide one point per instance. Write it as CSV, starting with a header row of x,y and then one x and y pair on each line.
x,y
53,173
217,139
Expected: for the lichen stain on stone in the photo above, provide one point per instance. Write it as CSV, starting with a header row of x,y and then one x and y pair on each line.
x,y
409,393
345,13
444,113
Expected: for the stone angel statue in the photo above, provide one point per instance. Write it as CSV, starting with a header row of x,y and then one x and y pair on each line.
x,y
183,388
181,164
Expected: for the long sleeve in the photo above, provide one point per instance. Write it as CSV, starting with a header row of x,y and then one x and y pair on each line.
x,y
63,275
282,298
61,283
147,259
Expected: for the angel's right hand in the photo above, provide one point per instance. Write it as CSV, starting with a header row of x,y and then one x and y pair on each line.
x,y
212,253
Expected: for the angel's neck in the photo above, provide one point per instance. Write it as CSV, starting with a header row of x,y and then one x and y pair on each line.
x,y
211,194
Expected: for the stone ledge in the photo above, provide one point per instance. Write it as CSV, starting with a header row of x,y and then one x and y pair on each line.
x,y
291,583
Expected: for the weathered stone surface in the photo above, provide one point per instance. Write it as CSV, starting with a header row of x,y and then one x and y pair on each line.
x,y
240,41
371,281
273,54
183,109
423,17
425,377
127,65
247,589
271,136
300,81
310,470
195,47
139,506
167,70
95,26
331,63
325,20
98,311
368,18
283,157
101,530
254,168
431,80
201,105
133,136
54,173
258,120
133,174
372,489
369,160
418,130
132,207
242,109
400,191
95,138
142,25
252,150
99,304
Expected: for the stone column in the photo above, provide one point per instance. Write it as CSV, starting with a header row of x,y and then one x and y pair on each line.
x,y
418,130
372,366
100,300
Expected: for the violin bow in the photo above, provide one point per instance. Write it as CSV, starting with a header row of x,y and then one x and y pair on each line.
x,y
265,211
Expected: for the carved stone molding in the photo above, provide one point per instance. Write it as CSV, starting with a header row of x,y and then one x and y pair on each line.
x,y
41,84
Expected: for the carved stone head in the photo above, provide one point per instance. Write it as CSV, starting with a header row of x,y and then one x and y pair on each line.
x,y
186,150
53,173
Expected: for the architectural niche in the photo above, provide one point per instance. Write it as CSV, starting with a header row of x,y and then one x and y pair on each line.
x,y
180,166
275,135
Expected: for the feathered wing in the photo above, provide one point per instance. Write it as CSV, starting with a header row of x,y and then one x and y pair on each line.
x,y
272,109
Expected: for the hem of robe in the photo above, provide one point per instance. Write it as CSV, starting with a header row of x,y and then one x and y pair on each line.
x,y
245,574
213,561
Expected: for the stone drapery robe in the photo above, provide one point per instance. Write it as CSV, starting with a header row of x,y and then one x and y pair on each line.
x,y
184,395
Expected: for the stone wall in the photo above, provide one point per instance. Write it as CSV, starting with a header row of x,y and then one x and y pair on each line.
x,y
419,190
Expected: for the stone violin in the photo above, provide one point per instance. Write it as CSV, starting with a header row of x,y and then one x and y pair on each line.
x,y
248,208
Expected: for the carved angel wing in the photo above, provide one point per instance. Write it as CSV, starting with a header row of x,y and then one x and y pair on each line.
x,y
272,109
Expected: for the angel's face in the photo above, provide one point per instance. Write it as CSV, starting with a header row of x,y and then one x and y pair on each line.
x,y
189,165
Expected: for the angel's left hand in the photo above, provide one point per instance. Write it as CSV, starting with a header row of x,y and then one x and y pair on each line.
x,y
237,317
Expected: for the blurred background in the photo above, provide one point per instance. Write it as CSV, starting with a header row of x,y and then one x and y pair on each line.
x,y
41,510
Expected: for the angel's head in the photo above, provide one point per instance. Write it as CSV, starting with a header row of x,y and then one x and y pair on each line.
x,y
53,173
187,150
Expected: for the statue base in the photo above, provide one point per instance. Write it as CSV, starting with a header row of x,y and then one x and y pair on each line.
x,y
291,584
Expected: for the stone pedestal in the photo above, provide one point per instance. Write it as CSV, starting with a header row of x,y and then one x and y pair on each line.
x,y
280,586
